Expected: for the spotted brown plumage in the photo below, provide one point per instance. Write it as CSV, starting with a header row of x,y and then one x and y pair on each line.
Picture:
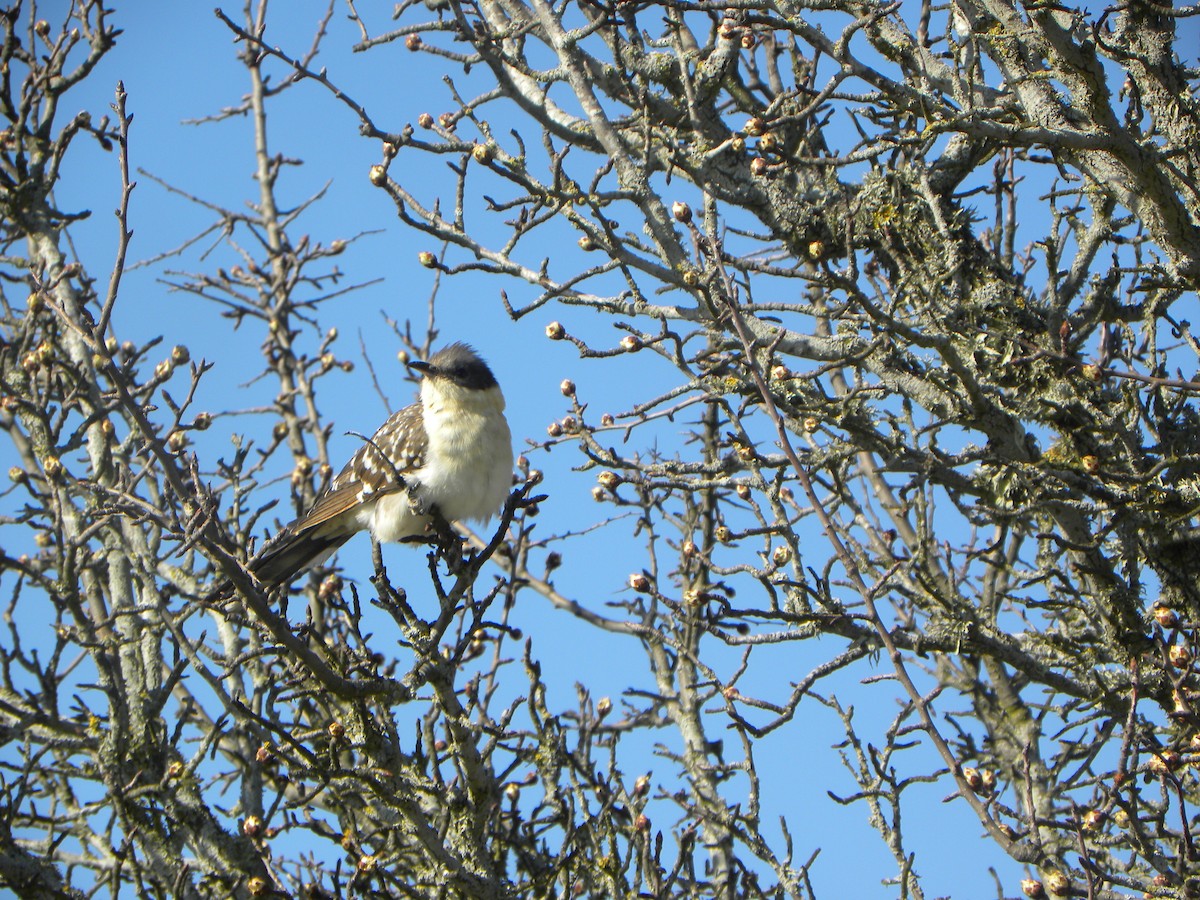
x,y
451,450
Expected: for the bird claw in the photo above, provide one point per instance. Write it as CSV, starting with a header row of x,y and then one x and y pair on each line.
x,y
415,503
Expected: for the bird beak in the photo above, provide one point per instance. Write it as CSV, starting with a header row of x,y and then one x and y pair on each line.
x,y
422,367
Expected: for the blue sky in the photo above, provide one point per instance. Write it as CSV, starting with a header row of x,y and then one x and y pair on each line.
x,y
177,64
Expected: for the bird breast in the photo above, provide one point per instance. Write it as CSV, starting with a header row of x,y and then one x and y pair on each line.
x,y
468,466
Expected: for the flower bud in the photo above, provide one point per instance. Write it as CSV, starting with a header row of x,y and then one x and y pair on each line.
x,y
377,175
972,777
1057,883
631,343
337,730
1165,616
781,555
603,706
1032,888
555,331
425,120
483,153
681,211
1164,761
252,826
1091,464
755,127
609,480
586,244
427,259
413,42
639,582
758,166
1179,655
331,586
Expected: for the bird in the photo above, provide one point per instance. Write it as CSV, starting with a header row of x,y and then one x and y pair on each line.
x,y
450,451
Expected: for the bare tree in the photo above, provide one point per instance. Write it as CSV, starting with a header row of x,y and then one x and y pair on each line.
x,y
917,282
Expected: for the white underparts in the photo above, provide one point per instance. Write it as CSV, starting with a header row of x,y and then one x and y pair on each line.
x,y
468,465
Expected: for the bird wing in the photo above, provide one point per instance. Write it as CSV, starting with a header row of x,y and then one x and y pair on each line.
x,y
397,449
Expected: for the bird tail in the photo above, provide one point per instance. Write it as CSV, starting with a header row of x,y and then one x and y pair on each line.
x,y
291,552
288,553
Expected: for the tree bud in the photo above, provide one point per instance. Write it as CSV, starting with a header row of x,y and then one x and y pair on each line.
x,y
1057,883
